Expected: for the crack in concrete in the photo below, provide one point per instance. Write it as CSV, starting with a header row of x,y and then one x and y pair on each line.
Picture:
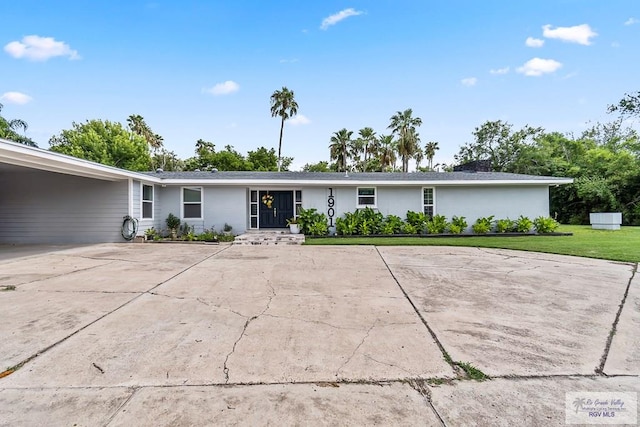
x,y
423,389
357,347
225,368
444,352
388,364
63,274
317,322
603,360
125,403
77,331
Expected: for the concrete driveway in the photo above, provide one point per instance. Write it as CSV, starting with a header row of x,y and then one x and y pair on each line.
x,y
159,334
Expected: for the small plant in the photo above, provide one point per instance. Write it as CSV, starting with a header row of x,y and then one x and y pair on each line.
x,y
418,220
227,228
292,220
392,224
7,288
523,224
482,225
437,224
472,372
409,229
207,236
312,222
545,224
458,225
173,222
505,225
150,233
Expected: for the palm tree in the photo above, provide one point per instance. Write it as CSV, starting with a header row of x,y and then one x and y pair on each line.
x,y
418,157
430,151
404,126
339,143
354,149
387,151
284,105
139,127
368,137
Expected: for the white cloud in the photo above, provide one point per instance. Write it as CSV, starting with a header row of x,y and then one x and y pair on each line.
x,y
337,17
469,81
224,88
289,61
504,70
615,44
299,119
631,21
538,66
580,34
38,48
15,98
533,42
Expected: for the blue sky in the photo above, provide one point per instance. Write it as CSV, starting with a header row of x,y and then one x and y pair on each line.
x,y
206,69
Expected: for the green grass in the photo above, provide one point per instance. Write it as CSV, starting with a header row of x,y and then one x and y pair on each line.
x,y
620,245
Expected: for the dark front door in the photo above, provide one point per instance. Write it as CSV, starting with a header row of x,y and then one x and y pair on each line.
x,y
276,207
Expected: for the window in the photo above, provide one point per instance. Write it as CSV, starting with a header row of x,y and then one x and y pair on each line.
x,y
253,212
192,203
147,201
428,201
366,197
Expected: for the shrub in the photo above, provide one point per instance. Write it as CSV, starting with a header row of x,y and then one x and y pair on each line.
x,y
505,225
523,224
408,228
392,224
418,220
207,236
482,225
173,222
545,224
312,222
458,225
369,221
346,226
437,224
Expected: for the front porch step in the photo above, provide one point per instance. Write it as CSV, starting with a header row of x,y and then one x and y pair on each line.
x,y
269,238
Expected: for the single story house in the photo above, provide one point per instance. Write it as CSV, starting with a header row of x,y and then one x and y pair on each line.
x,y
46,197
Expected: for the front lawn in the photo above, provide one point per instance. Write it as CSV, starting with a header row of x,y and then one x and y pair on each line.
x,y
619,245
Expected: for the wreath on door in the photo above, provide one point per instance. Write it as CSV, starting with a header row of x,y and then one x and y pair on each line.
x,y
267,199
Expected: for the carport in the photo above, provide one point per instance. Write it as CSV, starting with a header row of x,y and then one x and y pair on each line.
x,y
50,198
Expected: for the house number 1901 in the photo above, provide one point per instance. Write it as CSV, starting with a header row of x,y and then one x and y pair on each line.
x,y
331,202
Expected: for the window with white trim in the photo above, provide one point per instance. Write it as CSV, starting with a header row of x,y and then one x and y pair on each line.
x,y
367,197
147,201
192,202
428,201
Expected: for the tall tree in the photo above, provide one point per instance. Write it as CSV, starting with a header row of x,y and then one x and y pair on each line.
x,y
404,126
340,141
284,105
104,142
628,106
9,130
430,149
139,127
369,142
387,152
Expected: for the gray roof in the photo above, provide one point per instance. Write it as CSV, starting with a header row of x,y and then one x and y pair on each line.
x,y
359,177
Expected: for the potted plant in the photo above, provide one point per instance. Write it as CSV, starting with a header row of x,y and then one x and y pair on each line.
x,y
173,222
294,228
150,234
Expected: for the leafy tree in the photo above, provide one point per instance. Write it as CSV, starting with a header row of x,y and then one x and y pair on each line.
x,y
285,106
628,106
263,159
140,127
104,142
496,141
321,166
340,141
404,126
9,130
